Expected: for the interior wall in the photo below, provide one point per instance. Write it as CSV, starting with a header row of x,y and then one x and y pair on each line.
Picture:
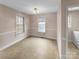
x,y
8,26
75,20
51,25
74,16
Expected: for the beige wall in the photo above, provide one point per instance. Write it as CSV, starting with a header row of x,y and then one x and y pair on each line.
x,y
51,25
8,26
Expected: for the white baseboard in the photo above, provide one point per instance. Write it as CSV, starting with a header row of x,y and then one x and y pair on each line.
x,y
9,45
43,37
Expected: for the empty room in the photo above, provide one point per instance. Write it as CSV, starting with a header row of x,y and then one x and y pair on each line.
x,y
28,29
39,29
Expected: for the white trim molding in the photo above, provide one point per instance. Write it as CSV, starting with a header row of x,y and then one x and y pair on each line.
x,y
11,39
8,45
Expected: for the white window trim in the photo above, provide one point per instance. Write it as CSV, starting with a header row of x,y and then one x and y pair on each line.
x,y
41,23
23,24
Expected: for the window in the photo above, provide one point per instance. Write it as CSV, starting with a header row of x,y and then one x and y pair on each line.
x,y
19,24
41,24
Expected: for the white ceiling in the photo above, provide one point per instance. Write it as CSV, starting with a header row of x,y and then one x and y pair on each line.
x,y
27,6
